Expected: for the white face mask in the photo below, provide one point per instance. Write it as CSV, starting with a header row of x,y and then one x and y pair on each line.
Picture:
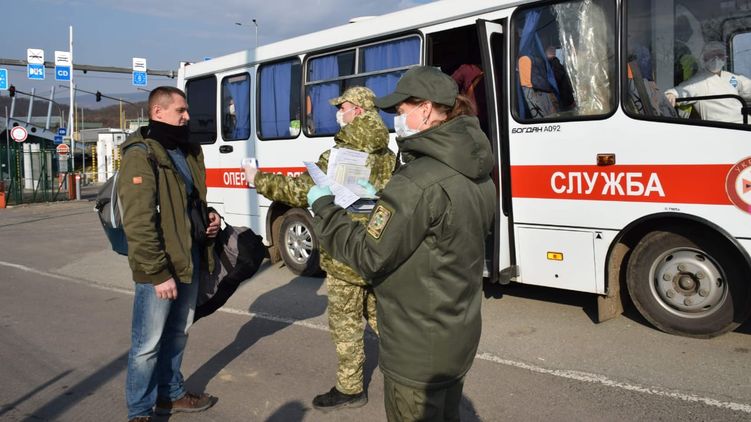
x,y
400,125
714,65
340,117
231,109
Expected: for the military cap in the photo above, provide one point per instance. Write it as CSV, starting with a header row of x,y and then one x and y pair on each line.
x,y
357,95
424,82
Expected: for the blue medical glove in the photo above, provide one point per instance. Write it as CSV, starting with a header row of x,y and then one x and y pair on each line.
x,y
367,186
316,192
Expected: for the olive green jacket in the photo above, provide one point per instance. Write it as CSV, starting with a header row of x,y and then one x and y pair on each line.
x,y
423,251
155,215
366,133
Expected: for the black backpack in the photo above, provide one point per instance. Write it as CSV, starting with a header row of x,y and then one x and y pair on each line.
x,y
109,209
238,253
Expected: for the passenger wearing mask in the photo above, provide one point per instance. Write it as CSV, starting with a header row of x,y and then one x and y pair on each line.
x,y
349,297
423,248
712,80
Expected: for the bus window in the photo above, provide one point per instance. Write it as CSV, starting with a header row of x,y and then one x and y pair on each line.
x,y
279,100
376,66
330,69
387,59
236,107
679,52
741,58
201,95
564,60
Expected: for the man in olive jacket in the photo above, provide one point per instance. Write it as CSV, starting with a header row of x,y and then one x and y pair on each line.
x,y
162,177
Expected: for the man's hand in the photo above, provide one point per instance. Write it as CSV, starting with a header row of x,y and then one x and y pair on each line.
x,y
166,290
251,169
671,98
215,223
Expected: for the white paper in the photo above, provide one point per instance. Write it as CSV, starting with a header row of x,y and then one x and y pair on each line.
x,y
319,177
344,196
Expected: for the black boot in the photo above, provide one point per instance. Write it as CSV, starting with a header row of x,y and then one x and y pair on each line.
x,y
335,399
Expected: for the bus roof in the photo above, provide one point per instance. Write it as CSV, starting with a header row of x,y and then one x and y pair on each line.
x,y
384,25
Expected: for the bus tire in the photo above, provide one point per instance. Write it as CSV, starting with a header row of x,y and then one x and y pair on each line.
x,y
688,283
298,245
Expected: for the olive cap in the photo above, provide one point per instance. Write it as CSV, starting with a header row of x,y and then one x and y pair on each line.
x,y
357,95
425,82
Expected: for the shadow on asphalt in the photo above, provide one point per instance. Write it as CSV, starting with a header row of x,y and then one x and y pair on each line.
x,y
259,327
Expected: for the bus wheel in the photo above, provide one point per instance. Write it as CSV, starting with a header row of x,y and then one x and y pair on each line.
x,y
688,283
297,243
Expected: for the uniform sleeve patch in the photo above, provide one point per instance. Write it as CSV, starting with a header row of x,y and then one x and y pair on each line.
x,y
137,180
378,221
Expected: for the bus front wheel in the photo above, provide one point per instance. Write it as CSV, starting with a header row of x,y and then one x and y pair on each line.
x,y
688,283
298,245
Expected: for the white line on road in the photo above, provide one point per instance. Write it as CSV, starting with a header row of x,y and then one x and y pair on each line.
x,y
561,373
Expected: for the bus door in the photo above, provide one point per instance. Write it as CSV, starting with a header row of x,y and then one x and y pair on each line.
x,y
493,52
236,141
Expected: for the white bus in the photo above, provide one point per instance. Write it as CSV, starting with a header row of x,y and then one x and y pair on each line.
x,y
603,186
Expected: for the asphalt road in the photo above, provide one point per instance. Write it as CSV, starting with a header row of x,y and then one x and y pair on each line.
x,y
64,335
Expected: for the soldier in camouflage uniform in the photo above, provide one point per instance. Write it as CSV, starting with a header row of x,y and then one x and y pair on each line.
x,y
349,297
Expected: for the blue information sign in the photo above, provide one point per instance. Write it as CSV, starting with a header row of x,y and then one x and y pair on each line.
x,y
3,78
62,131
62,73
35,71
139,78
58,139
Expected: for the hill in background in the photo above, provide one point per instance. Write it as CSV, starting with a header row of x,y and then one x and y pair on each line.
x,y
105,112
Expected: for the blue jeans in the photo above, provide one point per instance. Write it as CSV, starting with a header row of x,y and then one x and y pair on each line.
x,y
159,334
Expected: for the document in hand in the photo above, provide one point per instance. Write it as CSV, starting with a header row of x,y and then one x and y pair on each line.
x,y
345,168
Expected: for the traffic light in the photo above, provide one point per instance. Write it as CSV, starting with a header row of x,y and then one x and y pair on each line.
x,y
12,91
98,96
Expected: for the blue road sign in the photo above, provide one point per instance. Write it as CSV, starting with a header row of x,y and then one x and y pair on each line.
x,y
3,78
58,139
62,73
139,78
62,131
35,71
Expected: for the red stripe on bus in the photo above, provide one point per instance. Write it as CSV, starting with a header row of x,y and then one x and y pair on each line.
x,y
686,184
235,177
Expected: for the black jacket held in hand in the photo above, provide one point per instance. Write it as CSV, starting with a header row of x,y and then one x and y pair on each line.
x,y
423,251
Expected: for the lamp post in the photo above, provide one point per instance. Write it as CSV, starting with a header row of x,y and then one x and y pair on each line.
x,y
256,25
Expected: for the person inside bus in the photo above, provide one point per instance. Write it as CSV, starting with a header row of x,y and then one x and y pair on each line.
x,y
538,93
350,298
469,78
565,90
423,247
712,80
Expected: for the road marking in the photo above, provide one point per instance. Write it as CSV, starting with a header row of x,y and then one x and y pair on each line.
x,y
561,373
603,380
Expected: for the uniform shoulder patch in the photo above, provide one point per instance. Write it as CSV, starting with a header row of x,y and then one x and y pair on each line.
x,y
378,221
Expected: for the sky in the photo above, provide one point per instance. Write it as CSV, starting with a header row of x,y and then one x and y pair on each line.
x,y
112,32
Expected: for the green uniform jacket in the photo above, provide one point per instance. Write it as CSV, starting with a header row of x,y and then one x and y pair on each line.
x,y
159,240
366,133
423,250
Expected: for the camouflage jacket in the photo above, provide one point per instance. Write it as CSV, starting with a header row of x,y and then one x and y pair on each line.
x,y
366,133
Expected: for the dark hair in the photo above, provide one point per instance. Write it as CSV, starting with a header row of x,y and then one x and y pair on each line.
x,y
463,106
162,95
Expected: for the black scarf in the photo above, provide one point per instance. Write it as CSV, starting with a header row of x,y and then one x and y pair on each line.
x,y
169,136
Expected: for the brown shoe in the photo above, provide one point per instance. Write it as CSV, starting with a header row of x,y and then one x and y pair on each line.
x,y
188,403
140,419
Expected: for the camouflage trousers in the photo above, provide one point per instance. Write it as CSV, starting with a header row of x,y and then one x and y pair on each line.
x,y
348,305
